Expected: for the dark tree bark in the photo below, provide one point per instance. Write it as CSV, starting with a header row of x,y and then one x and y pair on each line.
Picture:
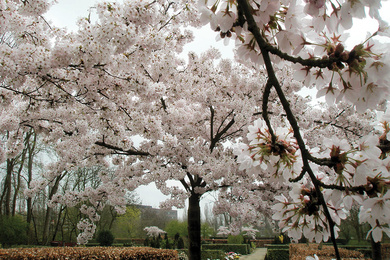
x,y
194,225
19,176
30,160
35,229
46,226
49,210
58,222
376,250
7,187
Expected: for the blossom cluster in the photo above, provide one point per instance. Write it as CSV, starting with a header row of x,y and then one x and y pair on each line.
x,y
358,76
88,230
277,157
154,231
356,175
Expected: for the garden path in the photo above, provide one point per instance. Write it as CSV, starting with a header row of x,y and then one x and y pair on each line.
x,y
258,254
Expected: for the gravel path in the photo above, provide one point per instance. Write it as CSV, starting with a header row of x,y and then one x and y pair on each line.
x,y
258,254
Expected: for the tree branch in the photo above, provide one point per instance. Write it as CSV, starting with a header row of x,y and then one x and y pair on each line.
x,y
266,94
219,134
264,47
122,151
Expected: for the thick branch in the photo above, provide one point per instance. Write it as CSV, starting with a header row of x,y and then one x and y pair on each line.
x,y
218,136
266,47
320,63
266,94
253,28
212,112
184,183
122,151
358,189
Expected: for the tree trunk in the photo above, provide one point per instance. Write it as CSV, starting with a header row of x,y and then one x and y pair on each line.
x,y
7,187
194,227
46,226
21,165
49,210
2,207
30,160
113,217
58,223
358,232
35,230
18,182
376,251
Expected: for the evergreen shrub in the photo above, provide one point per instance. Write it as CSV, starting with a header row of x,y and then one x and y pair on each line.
x,y
239,239
242,249
105,238
212,254
13,230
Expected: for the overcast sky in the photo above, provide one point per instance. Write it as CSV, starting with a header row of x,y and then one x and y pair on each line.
x,y
66,12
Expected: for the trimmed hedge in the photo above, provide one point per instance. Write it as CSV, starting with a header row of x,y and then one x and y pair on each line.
x,y
367,252
277,251
92,244
277,254
62,253
364,249
239,239
301,251
212,254
242,249
278,246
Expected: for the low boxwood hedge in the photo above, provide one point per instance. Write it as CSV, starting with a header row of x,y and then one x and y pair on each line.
x,y
278,246
242,249
213,254
364,249
277,254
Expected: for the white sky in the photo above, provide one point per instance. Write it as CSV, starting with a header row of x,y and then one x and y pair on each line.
x,y
66,12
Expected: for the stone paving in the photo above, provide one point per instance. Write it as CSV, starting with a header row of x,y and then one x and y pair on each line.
x,y
258,254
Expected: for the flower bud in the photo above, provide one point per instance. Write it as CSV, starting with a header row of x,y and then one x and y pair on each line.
x,y
344,56
339,49
330,49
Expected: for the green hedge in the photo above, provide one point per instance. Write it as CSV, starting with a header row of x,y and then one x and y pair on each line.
x,y
364,249
92,244
366,252
277,254
123,240
145,253
212,254
278,246
114,245
242,249
239,239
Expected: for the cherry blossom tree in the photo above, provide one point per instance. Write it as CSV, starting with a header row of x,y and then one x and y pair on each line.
x,y
89,93
154,231
197,118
